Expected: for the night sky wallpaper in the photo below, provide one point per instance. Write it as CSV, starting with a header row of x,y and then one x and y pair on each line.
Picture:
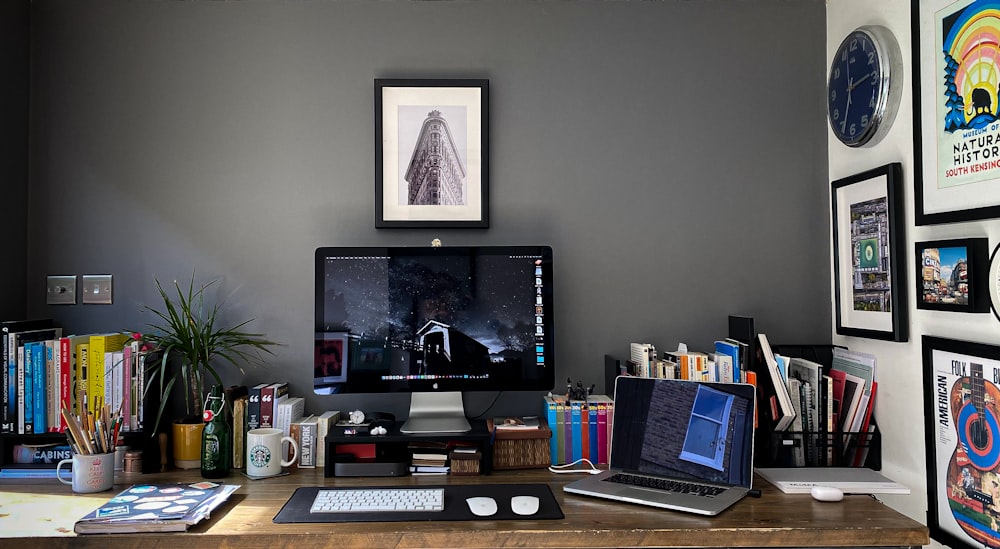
x,y
488,298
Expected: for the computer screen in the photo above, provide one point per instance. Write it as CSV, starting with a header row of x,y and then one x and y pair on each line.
x,y
433,319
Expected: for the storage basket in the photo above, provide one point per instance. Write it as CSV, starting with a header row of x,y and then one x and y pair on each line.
x,y
522,449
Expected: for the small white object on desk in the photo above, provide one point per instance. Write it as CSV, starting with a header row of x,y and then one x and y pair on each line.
x,y
826,493
482,506
524,505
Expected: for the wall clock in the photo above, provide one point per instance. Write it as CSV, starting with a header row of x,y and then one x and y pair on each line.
x,y
993,281
865,86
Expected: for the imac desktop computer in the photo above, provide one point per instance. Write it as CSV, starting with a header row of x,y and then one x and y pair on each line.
x,y
433,322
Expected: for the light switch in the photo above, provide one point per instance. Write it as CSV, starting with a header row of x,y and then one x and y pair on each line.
x,y
96,289
60,290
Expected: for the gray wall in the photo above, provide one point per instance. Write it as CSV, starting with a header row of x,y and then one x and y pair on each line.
x,y
673,154
13,155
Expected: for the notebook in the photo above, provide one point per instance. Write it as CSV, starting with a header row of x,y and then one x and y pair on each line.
x,y
676,444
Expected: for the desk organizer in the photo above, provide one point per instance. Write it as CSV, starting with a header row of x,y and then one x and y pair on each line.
x,y
521,449
821,449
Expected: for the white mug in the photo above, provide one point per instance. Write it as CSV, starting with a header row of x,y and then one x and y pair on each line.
x,y
264,452
91,472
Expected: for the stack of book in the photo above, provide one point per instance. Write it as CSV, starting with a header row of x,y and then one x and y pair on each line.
x,y
581,429
429,463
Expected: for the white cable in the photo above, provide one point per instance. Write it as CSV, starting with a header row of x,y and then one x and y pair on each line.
x,y
564,468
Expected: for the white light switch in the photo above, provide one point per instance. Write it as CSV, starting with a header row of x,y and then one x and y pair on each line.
x,y
96,289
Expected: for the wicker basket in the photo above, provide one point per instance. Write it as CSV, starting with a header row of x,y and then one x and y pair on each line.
x,y
522,449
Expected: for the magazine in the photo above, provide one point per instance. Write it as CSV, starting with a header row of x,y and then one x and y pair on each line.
x,y
156,508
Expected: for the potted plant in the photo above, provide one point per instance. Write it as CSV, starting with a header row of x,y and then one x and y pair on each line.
x,y
187,342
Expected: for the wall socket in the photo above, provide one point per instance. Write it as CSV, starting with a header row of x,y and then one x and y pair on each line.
x,y
96,289
60,290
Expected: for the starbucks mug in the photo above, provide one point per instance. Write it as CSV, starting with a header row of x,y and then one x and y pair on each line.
x,y
264,457
91,472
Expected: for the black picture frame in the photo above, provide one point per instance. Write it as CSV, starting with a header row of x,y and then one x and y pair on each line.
x,y
436,133
959,390
956,177
951,275
869,272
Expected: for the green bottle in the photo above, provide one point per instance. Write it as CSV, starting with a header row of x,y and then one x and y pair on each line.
x,y
216,439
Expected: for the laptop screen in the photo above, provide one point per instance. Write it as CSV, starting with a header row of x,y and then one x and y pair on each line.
x,y
684,429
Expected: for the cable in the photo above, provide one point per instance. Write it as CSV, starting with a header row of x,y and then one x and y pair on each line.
x,y
563,468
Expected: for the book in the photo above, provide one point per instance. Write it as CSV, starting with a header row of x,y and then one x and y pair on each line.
x,y
797,428
8,367
81,354
605,412
811,373
642,355
852,480
16,342
99,345
576,430
269,396
239,430
324,422
288,410
730,349
777,401
308,441
253,406
134,510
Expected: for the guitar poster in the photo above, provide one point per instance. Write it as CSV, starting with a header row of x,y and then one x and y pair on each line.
x,y
962,399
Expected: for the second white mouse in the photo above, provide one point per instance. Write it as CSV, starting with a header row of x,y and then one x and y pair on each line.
x,y
524,505
826,493
482,506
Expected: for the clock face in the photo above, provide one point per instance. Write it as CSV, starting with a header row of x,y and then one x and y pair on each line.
x,y
993,281
859,86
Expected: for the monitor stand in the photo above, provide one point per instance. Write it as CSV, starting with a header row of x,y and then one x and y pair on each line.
x,y
436,413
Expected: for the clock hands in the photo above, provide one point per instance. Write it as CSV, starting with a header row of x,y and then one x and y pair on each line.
x,y
853,84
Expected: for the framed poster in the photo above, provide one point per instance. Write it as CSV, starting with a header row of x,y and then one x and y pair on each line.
x,y
431,153
962,407
956,63
868,269
951,275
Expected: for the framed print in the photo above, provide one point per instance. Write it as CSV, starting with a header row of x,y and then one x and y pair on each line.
x,y
956,60
867,259
331,353
962,407
951,275
431,153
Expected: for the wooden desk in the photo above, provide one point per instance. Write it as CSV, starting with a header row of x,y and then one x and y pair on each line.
x,y
775,519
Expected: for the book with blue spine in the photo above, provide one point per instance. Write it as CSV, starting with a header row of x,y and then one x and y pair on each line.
x,y
39,385
576,412
732,349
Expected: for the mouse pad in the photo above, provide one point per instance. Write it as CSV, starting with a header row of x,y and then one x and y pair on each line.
x,y
296,509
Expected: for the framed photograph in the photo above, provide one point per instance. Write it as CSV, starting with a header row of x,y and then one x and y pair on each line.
x,y
331,353
869,276
962,411
431,153
956,129
951,275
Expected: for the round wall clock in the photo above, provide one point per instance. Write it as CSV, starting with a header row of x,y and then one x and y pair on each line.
x,y
865,85
993,281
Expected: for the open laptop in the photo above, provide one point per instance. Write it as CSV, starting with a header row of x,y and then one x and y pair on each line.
x,y
675,444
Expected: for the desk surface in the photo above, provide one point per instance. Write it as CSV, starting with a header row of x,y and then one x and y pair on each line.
x,y
48,509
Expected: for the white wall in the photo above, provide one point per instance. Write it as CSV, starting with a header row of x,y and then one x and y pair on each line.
x,y
899,406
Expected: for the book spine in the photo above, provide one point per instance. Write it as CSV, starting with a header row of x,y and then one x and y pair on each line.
x,y
52,380
9,390
567,432
295,433
65,381
39,384
308,445
576,418
82,378
22,383
266,406
585,431
602,433
140,408
95,385
128,384
253,407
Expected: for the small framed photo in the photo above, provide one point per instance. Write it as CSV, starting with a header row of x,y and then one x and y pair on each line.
x,y
961,429
330,358
951,275
869,277
431,153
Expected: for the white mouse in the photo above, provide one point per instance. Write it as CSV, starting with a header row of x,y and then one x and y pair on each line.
x,y
524,505
826,493
482,506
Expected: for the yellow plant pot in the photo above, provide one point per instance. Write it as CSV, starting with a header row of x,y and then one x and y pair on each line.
x,y
187,445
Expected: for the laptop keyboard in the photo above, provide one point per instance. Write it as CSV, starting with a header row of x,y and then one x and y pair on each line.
x,y
377,500
667,485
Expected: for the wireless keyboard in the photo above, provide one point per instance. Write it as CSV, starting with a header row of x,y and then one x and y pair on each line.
x,y
378,500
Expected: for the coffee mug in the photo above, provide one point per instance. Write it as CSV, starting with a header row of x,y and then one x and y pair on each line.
x,y
91,472
264,452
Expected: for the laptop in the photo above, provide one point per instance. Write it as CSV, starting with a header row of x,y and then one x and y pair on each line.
x,y
676,444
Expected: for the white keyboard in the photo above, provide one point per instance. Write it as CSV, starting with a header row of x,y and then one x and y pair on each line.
x,y
377,500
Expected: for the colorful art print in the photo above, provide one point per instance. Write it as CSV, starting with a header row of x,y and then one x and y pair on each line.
x,y
867,225
432,153
956,64
951,275
962,402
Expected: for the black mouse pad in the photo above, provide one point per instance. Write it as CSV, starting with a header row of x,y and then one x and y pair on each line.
x,y
296,509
